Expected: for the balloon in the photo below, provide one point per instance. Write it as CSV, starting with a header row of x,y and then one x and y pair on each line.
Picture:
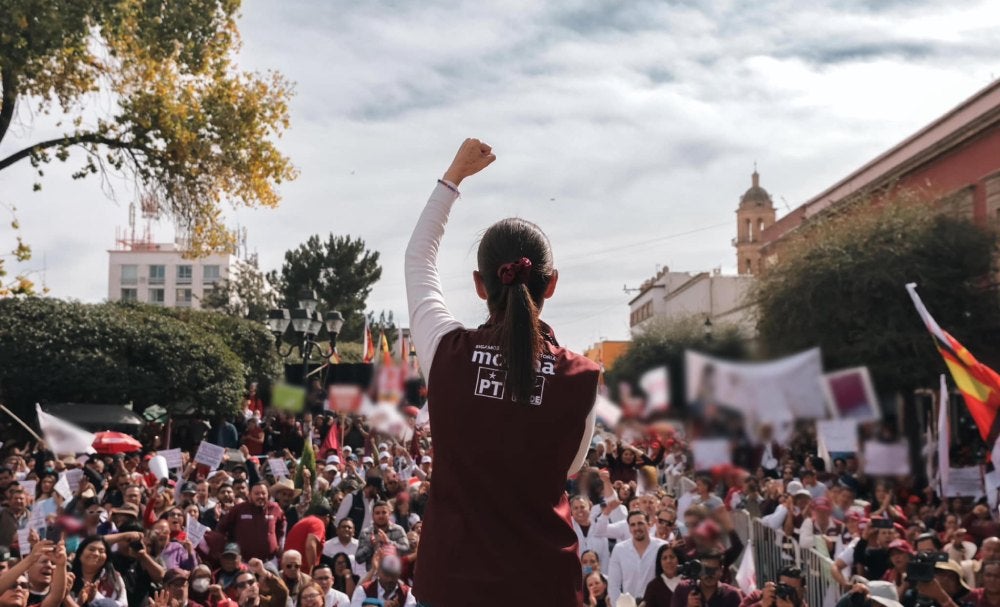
x,y
158,466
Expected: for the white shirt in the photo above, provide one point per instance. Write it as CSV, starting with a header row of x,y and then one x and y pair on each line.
x,y
430,319
617,531
629,572
618,514
348,501
359,596
336,598
592,542
333,546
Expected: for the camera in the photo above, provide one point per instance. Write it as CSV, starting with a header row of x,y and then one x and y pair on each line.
x,y
881,523
785,592
690,570
921,566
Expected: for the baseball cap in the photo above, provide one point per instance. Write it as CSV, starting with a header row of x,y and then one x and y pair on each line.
x,y
367,460
333,459
901,545
384,454
426,459
126,509
803,493
794,487
231,548
331,468
823,504
189,487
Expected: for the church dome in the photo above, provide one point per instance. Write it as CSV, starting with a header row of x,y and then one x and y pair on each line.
x,y
756,196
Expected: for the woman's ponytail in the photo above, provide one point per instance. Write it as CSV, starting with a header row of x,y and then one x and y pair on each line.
x,y
521,340
515,263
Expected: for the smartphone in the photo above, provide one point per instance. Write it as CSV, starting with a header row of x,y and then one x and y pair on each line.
x,y
881,523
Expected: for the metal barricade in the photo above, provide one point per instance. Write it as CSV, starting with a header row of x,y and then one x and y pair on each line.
x,y
773,550
741,524
821,589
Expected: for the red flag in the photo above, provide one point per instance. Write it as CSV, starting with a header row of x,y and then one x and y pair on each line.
x,y
332,441
369,345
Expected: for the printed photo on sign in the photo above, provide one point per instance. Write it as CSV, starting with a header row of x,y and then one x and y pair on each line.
x,y
490,383
850,394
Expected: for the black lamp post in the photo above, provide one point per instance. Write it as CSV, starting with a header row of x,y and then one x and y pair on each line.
x,y
303,329
708,329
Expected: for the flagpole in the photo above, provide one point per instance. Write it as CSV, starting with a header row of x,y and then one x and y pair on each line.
x,y
20,421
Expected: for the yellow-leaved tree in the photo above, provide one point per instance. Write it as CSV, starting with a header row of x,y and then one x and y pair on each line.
x,y
149,88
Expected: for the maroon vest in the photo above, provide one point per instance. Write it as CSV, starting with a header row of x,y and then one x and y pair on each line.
x,y
498,509
371,590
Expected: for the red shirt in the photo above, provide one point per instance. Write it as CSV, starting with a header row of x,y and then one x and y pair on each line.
x,y
258,531
479,534
296,538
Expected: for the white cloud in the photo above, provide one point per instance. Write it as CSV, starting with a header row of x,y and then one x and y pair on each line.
x,y
641,120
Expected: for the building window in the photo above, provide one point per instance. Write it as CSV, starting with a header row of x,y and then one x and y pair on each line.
x,y
183,298
130,275
130,294
157,275
210,274
184,275
157,297
750,237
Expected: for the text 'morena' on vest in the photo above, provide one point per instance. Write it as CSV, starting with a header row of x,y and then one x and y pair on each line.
x,y
515,277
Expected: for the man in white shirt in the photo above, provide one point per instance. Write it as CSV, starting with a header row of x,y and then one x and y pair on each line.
x,y
633,562
344,542
386,586
585,537
323,576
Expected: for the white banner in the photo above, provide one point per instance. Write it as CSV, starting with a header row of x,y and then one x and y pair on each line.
x,y
887,459
771,392
964,482
839,435
711,452
656,384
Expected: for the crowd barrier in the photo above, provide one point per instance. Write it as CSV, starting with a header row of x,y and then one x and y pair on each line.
x,y
772,550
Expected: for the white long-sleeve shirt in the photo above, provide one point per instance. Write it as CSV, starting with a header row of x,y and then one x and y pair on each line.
x,y
617,530
592,542
629,572
359,597
430,319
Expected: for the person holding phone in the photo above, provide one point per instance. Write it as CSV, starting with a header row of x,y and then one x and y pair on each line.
x,y
871,553
511,377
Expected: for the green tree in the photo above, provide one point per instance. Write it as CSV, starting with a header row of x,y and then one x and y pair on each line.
x,y
664,341
179,117
841,286
55,351
340,270
248,294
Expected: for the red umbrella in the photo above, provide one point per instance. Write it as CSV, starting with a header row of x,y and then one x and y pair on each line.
x,y
109,443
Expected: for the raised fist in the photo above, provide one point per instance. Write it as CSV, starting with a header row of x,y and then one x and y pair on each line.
x,y
472,157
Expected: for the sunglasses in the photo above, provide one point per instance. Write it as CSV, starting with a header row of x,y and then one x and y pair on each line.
x,y
665,522
293,566
245,584
20,585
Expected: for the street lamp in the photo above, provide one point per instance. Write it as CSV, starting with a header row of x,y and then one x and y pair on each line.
x,y
304,329
707,328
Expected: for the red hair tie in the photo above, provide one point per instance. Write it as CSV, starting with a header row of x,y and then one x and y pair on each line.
x,y
518,271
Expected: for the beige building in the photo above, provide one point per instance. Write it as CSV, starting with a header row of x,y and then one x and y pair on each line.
x,y
684,294
159,274
755,214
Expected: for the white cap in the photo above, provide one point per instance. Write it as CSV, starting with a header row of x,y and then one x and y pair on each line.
x,y
383,454
332,459
426,459
794,487
803,493
884,593
383,446
347,449
331,468
367,460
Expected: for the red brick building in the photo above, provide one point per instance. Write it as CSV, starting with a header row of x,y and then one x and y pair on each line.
x,y
954,160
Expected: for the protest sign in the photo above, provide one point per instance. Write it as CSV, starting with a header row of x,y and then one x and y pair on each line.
x,y
656,384
711,452
887,459
209,455
771,392
62,487
286,397
195,531
849,394
173,457
29,487
279,469
838,435
964,482
23,542
73,478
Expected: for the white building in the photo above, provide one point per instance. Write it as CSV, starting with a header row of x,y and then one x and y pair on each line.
x,y
703,294
159,274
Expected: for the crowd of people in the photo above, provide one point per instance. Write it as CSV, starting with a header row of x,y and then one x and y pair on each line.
x,y
647,525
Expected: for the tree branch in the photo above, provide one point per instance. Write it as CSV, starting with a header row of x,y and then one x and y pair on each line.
x,y
70,140
8,86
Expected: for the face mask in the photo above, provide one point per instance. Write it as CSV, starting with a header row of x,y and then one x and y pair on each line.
x,y
200,584
587,570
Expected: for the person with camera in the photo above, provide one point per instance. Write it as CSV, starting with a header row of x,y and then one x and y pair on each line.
x,y
947,589
703,587
788,591
870,594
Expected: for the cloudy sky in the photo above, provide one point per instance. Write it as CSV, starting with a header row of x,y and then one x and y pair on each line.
x,y
626,129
